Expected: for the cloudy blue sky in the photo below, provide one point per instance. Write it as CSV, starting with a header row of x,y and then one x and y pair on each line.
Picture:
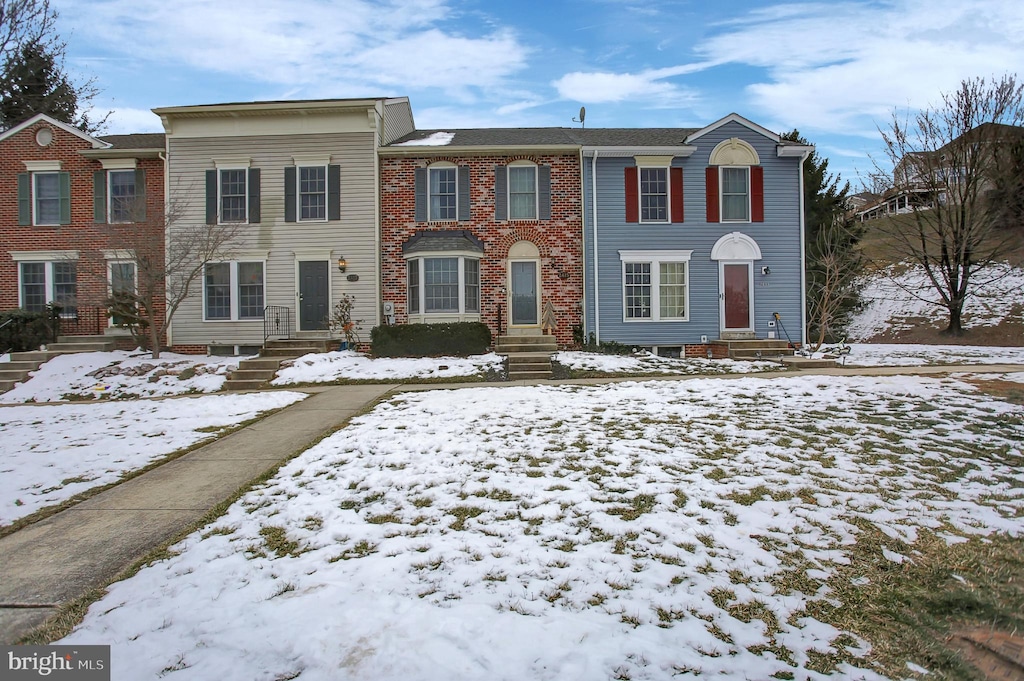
x,y
833,70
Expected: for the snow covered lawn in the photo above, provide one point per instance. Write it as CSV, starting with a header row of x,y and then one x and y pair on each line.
x,y
885,354
53,452
121,375
632,530
327,367
648,363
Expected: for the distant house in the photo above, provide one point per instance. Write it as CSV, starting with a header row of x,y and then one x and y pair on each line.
x,y
69,201
692,235
298,184
484,225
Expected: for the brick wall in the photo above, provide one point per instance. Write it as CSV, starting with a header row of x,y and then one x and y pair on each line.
x,y
558,239
82,234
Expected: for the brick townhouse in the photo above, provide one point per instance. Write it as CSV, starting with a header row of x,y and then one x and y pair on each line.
x,y
70,205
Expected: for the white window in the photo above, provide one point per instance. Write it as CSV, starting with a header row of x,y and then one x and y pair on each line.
x,y
122,281
735,190
49,282
233,194
442,194
655,285
522,192
46,207
233,290
653,194
448,284
312,192
121,196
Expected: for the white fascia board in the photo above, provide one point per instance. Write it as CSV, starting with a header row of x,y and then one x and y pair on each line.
x,y
675,152
96,144
793,150
734,118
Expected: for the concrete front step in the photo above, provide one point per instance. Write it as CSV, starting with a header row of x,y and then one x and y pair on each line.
x,y
807,363
70,348
302,345
7,384
84,339
290,352
528,375
243,385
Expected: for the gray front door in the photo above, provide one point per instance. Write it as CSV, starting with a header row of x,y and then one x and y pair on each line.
x,y
313,295
524,292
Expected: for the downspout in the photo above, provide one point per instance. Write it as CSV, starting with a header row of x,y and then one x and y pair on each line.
x,y
583,243
167,240
803,257
597,259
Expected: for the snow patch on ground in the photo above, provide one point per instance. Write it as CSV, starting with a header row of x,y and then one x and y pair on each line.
x,y
894,354
326,367
53,452
648,363
893,301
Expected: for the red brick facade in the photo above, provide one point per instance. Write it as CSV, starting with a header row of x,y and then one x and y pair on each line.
x,y
559,240
82,234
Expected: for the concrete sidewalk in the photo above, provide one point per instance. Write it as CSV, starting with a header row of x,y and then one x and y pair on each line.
x,y
56,560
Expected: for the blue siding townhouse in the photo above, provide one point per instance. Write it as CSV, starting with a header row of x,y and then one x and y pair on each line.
x,y
692,236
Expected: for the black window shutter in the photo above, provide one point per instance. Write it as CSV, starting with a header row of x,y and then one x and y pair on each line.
x,y
544,192
463,193
421,195
24,199
500,193
65,197
99,196
254,195
290,206
211,197
334,192
139,210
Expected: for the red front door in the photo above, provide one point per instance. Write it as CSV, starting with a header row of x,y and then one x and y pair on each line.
x,y
737,296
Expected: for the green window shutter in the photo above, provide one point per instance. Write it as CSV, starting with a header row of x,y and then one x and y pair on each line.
x,y
99,196
334,192
65,198
140,195
211,197
463,194
544,192
254,195
500,193
421,195
24,199
290,209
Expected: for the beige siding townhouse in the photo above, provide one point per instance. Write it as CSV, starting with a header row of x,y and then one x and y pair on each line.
x,y
296,186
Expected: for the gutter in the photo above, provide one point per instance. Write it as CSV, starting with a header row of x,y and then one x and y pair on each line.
x,y
597,259
803,254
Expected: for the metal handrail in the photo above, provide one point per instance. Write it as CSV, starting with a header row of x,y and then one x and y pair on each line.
x,y
277,322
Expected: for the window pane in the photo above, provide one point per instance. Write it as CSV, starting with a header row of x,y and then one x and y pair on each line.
x,y
442,193
121,185
47,198
522,193
217,284
472,279
734,194
250,290
33,286
441,284
672,290
654,194
122,277
638,290
313,193
232,195
413,269
65,287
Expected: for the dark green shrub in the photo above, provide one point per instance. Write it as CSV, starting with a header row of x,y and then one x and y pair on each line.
x,y
429,340
26,330
606,347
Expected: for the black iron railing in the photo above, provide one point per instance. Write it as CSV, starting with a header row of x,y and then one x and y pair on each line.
x,y
277,322
81,321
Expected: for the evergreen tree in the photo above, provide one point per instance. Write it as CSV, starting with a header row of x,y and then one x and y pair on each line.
x,y
32,85
831,238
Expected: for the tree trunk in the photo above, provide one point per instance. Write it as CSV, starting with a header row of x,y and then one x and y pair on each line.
x,y
154,337
955,327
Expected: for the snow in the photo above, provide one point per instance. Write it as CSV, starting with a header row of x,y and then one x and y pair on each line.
x,y
894,354
648,363
53,452
346,364
570,532
436,139
893,301
123,375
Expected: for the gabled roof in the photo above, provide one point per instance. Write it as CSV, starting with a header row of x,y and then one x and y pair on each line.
x,y
70,129
145,140
735,118
272,106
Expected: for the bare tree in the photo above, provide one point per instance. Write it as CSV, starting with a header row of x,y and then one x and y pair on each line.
x,y
832,268
165,268
946,160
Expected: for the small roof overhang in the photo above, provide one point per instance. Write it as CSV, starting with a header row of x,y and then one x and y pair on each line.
x,y
442,241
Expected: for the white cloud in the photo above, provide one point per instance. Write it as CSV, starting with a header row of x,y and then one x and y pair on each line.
x,y
125,121
597,87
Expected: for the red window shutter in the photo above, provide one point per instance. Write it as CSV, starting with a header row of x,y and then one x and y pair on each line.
x,y
632,196
711,173
676,184
756,194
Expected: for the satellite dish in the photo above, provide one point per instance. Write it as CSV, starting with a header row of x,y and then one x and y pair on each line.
x,y
583,116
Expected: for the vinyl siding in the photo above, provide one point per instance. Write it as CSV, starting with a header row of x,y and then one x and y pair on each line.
x,y
397,121
354,236
778,238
